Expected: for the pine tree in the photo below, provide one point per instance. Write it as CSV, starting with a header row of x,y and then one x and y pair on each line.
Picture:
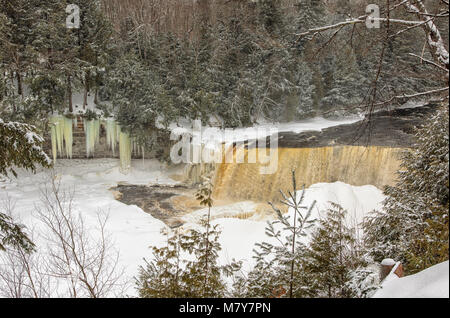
x,y
344,82
12,234
188,265
332,255
20,147
417,204
280,269
363,282
162,277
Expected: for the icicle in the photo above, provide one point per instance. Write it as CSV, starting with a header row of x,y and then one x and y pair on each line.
x,y
53,136
118,131
58,135
92,132
58,121
125,152
68,136
96,131
111,135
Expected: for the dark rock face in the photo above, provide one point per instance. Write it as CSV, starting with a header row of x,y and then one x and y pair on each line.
x,y
386,128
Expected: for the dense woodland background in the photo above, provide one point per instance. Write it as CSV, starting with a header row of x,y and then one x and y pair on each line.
x,y
236,61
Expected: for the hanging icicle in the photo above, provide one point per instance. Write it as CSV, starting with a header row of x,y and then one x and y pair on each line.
x,y
57,123
68,136
54,147
125,152
97,131
92,132
61,135
111,135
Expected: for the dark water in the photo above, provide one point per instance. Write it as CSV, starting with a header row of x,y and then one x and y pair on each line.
x,y
157,200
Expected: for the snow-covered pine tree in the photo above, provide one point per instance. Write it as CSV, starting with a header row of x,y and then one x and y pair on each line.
x,y
310,14
179,268
280,268
162,276
20,147
363,282
93,45
344,82
332,255
418,204
188,265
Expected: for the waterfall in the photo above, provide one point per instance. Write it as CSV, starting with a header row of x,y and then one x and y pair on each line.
x,y
62,136
54,143
68,136
92,132
125,152
350,164
111,135
193,173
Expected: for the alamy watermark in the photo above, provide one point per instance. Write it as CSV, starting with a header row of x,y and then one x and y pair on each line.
x,y
73,18
199,144
373,16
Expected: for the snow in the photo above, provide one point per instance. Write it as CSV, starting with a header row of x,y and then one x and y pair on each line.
x,y
134,231
240,235
388,262
432,282
260,130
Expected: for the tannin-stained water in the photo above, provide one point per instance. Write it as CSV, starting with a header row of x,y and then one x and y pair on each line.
x,y
355,165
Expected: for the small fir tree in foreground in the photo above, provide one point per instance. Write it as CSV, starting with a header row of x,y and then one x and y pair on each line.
x,y
279,270
188,265
332,255
179,268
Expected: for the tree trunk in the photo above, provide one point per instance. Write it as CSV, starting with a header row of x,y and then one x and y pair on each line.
x,y
85,96
69,92
207,250
19,84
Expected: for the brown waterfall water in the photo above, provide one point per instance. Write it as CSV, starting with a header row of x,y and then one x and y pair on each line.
x,y
355,165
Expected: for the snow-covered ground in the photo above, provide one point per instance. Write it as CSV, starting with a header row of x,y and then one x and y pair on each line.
x,y
259,130
432,282
134,231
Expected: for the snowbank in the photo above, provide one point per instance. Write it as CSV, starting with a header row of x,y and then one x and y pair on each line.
x,y
240,235
430,283
134,231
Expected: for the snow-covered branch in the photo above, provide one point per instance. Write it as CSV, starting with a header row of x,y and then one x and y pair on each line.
x,y
20,146
423,19
434,37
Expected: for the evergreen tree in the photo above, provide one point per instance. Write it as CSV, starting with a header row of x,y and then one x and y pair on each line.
x,y
413,227
93,45
20,147
188,265
332,255
280,269
185,267
344,82
12,234
363,282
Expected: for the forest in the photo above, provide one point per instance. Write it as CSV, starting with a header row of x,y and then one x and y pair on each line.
x,y
362,177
